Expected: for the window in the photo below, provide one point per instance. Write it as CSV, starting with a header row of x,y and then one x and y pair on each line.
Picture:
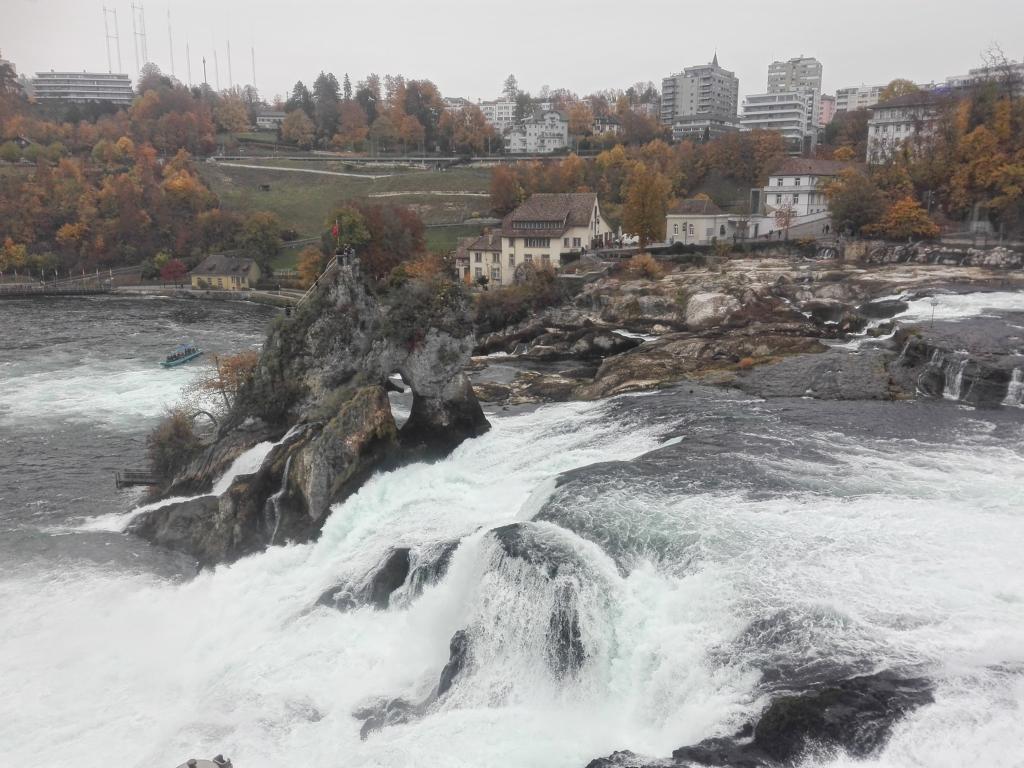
x,y
495,258
721,230
691,230
478,257
528,257
576,242
545,259
796,182
796,199
537,242
565,242
778,182
675,229
778,199
511,259
496,274
479,272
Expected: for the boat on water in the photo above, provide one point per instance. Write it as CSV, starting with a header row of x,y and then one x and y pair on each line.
x,y
181,355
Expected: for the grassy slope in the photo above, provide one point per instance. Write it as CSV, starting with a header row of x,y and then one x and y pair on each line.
x,y
304,200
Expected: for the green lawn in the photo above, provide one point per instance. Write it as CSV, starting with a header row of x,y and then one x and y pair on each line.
x,y
444,239
304,200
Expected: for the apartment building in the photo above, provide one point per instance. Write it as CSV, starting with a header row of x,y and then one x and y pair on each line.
x,y
858,97
82,87
799,75
541,134
788,113
707,89
902,122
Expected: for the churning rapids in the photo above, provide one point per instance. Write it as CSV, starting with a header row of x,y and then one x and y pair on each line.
x,y
708,541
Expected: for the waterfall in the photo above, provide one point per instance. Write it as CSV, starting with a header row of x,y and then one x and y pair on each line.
x,y
274,502
903,352
1015,389
954,380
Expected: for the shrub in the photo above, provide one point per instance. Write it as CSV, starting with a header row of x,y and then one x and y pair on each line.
x,y
501,307
645,265
172,444
745,363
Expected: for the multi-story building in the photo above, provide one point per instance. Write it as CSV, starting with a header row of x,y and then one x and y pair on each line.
x,y
478,257
698,221
703,90
858,97
540,134
788,113
1012,75
799,75
901,122
500,113
603,125
455,103
541,231
82,87
701,128
826,110
270,120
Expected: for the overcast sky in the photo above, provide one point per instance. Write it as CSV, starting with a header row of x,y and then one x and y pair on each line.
x,y
468,48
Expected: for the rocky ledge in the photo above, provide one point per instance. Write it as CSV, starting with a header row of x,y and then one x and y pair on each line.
x,y
319,393
768,326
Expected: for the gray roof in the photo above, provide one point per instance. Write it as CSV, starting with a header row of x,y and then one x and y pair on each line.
x,y
799,166
219,264
559,210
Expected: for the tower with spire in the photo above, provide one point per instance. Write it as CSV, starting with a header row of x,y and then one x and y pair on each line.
x,y
701,101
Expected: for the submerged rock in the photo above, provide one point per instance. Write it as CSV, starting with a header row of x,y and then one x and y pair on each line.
x,y
856,716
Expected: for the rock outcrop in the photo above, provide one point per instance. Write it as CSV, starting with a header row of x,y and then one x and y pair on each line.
x,y
322,378
856,716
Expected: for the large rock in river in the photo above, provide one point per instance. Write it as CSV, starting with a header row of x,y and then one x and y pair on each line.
x,y
322,378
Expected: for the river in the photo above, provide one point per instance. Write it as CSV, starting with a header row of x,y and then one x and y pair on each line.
x,y
716,540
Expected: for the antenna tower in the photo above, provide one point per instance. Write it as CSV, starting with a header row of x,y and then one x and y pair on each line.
x,y
231,79
216,70
253,50
116,37
188,64
170,40
139,33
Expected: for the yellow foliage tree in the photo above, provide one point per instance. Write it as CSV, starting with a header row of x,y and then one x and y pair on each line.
x,y
311,263
646,202
905,219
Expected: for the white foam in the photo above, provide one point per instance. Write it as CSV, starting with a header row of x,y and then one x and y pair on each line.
x,y
911,550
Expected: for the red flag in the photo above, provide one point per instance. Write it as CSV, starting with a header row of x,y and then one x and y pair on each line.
x,y
334,230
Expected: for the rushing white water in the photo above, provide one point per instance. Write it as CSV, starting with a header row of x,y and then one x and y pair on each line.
x,y
1015,389
904,553
962,305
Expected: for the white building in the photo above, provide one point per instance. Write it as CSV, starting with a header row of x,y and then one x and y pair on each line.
x,y
788,113
270,120
542,231
858,97
541,134
799,75
698,221
82,87
904,121
500,113
1012,72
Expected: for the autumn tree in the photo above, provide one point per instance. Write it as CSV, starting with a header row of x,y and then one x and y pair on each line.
x,y
311,262
855,201
646,202
231,115
505,191
298,129
326,105
220,383
260,237
898,87
352,125
905,219
174,271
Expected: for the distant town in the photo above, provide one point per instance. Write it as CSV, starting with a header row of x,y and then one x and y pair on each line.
x,y
687,165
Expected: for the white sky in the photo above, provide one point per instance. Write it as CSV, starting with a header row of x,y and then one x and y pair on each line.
x,y
468,48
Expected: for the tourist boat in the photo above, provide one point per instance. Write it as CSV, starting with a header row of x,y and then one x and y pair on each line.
x,y
181,355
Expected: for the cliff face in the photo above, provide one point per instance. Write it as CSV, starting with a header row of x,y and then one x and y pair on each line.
x,y
320,391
